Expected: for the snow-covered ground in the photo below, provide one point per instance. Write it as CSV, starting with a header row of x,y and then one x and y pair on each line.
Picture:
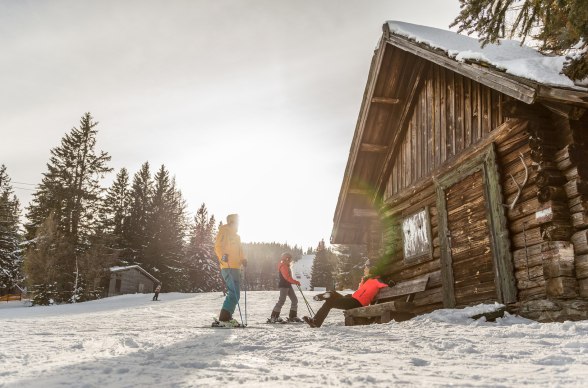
x,y
129,341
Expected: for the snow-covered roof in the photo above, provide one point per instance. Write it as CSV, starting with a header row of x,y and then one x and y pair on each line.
x,y
508,56
125,268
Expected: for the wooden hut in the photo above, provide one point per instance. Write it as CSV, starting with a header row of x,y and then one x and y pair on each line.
x,y
470,165
131,279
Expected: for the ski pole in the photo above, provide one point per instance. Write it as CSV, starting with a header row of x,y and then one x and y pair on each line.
x,y
246,284
234,290
310,310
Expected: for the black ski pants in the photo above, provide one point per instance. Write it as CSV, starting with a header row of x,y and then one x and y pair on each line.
x,y
342,303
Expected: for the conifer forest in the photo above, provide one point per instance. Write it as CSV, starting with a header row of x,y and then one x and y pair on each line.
x,y
60,247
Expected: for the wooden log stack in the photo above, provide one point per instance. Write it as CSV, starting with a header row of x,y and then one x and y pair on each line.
x,y
552,213
572,161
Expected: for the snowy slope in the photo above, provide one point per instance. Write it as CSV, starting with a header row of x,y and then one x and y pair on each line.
x,y
302,271
129,341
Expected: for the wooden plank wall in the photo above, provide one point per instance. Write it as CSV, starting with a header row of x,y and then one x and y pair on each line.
x,y
452,113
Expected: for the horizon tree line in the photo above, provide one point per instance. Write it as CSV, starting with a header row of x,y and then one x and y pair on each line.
x,y
76,229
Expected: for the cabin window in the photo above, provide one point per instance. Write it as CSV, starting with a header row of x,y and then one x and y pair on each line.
x,y
416,236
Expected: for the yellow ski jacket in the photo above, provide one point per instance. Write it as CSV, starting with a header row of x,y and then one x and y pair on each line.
x,y
228,243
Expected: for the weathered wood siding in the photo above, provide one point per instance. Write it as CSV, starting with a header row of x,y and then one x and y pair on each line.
x,y
469,241
452,113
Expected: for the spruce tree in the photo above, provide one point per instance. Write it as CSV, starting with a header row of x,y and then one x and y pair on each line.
x,y
560,26
70,194
10,257
166,229
322,268
117,210
71,187
141,194
201,261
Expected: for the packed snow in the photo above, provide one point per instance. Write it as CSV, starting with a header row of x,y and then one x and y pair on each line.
x,y
129,341
509,55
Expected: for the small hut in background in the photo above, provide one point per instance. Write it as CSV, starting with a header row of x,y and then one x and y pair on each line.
x,y
470,165
130,280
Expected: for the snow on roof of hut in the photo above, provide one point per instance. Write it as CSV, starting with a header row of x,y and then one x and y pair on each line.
x,y
508,56
119,268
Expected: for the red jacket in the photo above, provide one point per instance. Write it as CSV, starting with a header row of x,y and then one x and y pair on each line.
x,y
285,275
368,290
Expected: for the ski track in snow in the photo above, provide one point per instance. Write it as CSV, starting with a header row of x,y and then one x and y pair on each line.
x,y
129,341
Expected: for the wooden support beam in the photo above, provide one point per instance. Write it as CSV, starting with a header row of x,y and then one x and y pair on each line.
x,y
377,148
365,213
566,110
385,100
357,191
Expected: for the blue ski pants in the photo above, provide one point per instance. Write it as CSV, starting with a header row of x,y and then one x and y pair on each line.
x,y
232,278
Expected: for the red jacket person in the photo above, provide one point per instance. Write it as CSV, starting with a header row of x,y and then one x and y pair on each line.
x,y
365,294
285,284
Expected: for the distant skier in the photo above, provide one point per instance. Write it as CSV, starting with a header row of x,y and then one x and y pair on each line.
x,y
157,290
285,285
365,294
230,255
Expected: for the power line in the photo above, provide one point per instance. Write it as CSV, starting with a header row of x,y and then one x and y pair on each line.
x,y
23,188
23,183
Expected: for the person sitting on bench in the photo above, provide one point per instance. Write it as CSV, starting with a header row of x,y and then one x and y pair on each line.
x,y
365,294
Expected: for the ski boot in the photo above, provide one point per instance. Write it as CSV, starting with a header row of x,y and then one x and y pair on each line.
x,y
275,318
226,324
326,295
310,321
292,318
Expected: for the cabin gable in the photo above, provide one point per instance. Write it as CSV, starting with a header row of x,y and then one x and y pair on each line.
x,y
451,113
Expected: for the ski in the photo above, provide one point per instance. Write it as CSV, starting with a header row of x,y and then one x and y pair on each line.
x,y
232,324
283,322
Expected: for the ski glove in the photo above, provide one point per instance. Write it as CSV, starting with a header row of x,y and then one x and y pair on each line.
x,y
244,262
225,258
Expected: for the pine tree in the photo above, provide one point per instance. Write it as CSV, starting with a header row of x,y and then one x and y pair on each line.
x,y
70,188
166,229
71,196
201,261
322,268
10,257
141,196
560,26
117,211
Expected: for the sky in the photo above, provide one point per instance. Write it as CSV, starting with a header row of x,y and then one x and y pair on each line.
x,y
251,105
170,343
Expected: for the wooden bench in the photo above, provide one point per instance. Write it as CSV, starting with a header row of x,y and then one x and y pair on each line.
x,y
399,310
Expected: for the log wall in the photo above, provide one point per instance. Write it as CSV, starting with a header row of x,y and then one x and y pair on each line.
x,y
452,112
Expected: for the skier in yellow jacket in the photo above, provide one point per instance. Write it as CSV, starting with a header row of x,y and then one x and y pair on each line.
x,y
229,251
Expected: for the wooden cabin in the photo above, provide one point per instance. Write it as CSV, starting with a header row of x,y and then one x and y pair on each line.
x,y
131,279
475,176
